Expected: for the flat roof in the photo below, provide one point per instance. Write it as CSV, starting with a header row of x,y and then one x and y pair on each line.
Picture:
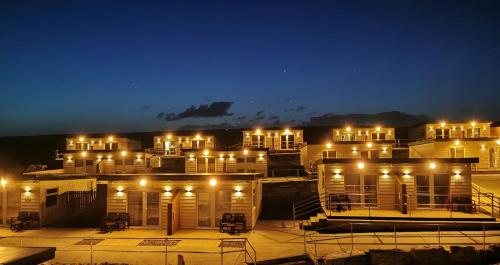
x,y
399,160
182,176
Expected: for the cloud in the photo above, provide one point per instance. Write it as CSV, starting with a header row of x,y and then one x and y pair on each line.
x,y
273,117
215,109
296,109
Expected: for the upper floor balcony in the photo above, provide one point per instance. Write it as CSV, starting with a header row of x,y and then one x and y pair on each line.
x,y
173,145
110,143
274,140
352,134
456,130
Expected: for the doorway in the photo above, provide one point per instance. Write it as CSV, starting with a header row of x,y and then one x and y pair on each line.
x,y
211,206
144,208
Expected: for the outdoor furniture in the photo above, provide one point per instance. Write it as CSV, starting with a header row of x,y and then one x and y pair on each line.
x,y
20,222
125,219
35,219
226,223
339,202
239,222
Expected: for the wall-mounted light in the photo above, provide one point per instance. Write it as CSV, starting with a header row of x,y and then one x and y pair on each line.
x,y
261,156
169,136
245,151
110,139
406,174
81,139
143,182
189,188
370,145
287,131
70,158
432,165
119,189
443,124
213,182
328,145
205,152
377,129
483,147
385,174
457,142
3,182
124,153
498,142
198,137
231,155
473,123
258,131
109,157
361,165
384,149
348,128
83,154
354,150
247,134
27,189
139,157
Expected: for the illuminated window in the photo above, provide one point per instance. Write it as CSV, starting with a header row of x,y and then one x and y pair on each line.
x,y
457,152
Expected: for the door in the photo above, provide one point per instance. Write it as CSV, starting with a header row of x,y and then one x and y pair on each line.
x,y
441,190
370,190
135,206
204,209
222,204
423,191
152,208
353,189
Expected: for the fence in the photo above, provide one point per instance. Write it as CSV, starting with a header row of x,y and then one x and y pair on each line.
x,y
129,250
315,243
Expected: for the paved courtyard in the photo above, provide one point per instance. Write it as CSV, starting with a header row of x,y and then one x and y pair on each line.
x,y
271,239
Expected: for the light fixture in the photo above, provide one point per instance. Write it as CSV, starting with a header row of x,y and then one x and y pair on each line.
x,y
205,152
328,145
27,189
498,142
198,137
189,188
124,153
169,136
370,145
377,129
245,151
361,165
457,142
473,123
432,165
83,154
247,134
110,157
354,150
483,147
119,189
231,155
348,128
99,157
69,158
221,156
143,182
257,131
168,189
386,174
3,182
213,182
81,138
406,173
238,188
110,138
443,124
287,131
384,149
139,157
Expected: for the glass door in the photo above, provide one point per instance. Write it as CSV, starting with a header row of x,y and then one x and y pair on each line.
x,y
441,190
222,204
135,206
353,189
423,192
153,209
204,209
370,190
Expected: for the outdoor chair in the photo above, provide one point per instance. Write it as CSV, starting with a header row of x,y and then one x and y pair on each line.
x,y
226,223
125,219
239,222
20,222
35,219
110,222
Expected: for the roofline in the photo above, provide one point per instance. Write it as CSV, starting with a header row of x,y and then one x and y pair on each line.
x,y
399,160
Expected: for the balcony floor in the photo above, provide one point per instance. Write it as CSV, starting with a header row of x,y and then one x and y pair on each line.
x,y
415,215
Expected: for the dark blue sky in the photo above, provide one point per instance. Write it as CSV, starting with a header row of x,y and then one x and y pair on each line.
x,y
97,66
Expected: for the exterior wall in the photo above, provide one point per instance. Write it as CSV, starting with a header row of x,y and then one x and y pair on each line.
x,y
101,144
182,142
247,201
107,163
356,150
456,130
349,134
332,180
309,154
479,148
272,138
227,162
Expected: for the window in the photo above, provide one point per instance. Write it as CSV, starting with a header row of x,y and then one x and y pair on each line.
x,y
111,146
347,137
198,144
51,197
370,154
240,160
287,141
473,132
441,190
206,165
118,162
330,154
251,159
258,141
169,148
78,162
378,136
423,191
89,162
353,189
457,152
442,133
129,161
370,190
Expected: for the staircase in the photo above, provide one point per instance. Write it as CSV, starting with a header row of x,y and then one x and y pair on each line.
x,y
311,212
485,201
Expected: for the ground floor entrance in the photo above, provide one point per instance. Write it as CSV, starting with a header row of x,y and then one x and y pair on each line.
x,y
144,208
211,205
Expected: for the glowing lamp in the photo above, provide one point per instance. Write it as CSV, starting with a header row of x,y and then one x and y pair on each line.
x,y
328,145
124,153
143,182
432,165
3,182
361,165
213,182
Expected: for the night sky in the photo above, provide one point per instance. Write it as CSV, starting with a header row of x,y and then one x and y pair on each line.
x,y
99,66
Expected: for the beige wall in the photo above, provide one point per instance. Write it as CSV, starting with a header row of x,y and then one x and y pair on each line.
x,y
236,161
99,144
272,138
107,162
472,148
187,201
183,142
457,130
362,134
330,182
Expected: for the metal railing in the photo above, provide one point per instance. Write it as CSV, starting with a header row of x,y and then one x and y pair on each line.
x,y
126,249
370,201
488,202
313,239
